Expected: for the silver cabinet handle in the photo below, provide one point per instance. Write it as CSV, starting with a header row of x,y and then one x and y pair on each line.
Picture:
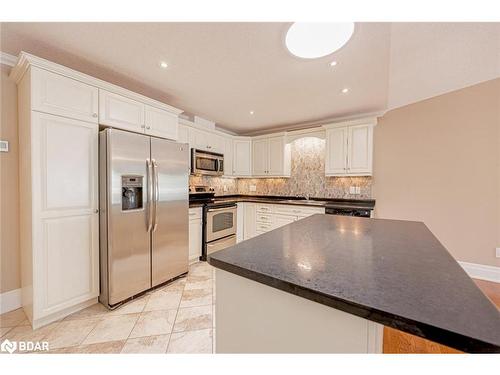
x,y
148,127
96,211
157,193
150,194
143,126
94,114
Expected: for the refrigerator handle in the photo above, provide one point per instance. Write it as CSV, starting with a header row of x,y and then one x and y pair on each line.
x,y
150,194
157,194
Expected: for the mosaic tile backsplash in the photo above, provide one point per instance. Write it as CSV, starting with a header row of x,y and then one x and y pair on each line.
x,y
307,177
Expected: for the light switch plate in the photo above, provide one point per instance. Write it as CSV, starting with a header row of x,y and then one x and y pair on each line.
x,y
4,146
498,252
358,190
352,190
253,188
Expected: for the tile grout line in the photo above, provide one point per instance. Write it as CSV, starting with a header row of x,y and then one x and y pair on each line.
x,y
176,313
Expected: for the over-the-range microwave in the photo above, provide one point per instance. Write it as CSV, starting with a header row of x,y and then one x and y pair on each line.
x,y
206,163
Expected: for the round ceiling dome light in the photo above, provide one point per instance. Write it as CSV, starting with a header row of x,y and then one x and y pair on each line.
x,y
311,40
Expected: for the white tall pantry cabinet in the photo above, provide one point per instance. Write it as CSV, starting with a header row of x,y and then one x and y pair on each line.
x,y
60,111
59,194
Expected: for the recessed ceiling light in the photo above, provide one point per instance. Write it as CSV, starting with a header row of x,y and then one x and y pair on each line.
x,y
164,65
311,40
345,91
333,63
252,112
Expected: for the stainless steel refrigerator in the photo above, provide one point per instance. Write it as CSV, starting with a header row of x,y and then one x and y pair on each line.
x,y
143,213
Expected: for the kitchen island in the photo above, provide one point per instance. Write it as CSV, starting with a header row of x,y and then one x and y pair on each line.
x,y
329,283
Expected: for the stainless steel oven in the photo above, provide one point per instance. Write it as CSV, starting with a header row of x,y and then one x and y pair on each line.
x,y
219,228
206,163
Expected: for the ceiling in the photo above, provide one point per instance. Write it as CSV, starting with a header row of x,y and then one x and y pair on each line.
x,y
222,71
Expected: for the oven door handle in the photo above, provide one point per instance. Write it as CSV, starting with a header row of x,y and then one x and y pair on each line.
x,y
231,208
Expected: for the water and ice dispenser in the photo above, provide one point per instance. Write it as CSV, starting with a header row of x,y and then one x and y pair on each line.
x,y
132,187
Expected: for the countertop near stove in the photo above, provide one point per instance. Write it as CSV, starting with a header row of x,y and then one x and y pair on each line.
x,y
388,271
366,204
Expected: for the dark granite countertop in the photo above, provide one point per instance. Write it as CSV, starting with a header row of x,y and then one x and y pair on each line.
x,y
367,204
389,271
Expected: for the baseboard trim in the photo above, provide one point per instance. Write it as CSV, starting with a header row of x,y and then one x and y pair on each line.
x,y
10,300
482,271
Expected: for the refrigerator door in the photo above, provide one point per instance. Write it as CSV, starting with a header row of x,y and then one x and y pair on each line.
x,y
170,238
128,214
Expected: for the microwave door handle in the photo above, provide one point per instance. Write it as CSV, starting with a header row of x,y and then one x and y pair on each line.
x,y
156,194
150,195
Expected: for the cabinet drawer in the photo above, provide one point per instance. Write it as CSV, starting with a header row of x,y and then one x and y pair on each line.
x,y
261,227
297,210
195,213
63,96
264,208
264,218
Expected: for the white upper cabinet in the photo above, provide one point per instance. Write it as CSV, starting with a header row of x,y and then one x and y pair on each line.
x,y
63,96
260,160
336,151
360,149
228,156
271,157
242,157
161,123
349,148
279,157
121,112
208,141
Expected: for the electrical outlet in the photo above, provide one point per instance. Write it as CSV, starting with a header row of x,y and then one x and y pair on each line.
x,y
358,190
4,146
253,188
498,252
352,190
225,188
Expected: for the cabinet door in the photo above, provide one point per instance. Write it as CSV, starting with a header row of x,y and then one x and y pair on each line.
x,y
281,220
161,123
194,239
228,157
250,222
183,134
336,151
121,112
276,156
59,95
242,158
202,139
65,186
260,157
217,143
360,143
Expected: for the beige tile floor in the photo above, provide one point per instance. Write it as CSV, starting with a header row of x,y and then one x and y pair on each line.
x,y
178,318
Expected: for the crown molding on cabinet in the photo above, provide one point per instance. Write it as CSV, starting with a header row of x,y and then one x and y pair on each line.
x,y
26,60
7,59
359,121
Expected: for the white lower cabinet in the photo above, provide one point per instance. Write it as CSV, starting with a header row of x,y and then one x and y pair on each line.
x,y
195,233
249,221
259,218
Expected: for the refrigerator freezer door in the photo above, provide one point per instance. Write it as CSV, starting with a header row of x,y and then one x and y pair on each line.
x,y
170,238
128,201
